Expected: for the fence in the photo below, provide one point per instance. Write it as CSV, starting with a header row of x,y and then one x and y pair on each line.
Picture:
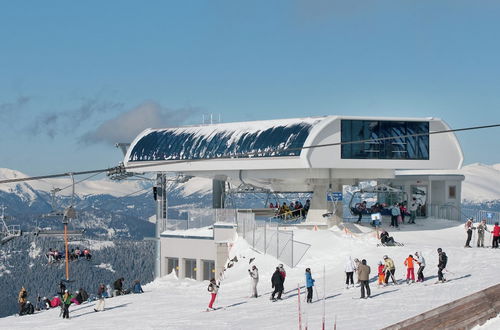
x,y
268,238
199,218
490,216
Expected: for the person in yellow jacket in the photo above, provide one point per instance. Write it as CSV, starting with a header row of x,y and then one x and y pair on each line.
x,y
66,301
21,299
389,270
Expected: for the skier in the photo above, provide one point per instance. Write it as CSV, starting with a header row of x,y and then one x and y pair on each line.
x,y
443,260
385,239
21,299
364,275
481,229
496,236
410,273
469,226
381,274
389,270
277,284
309,285
360,210
421,265
350,268
254,277
99,307
413,210
213,288
357,263
282,272
66,302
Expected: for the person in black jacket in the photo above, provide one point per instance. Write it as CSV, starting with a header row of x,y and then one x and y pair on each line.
x,y
443,259
118,287
277,284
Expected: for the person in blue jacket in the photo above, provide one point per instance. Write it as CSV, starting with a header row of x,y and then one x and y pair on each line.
x,y
137,287
309,285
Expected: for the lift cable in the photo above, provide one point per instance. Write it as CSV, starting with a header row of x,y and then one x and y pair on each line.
x,y
241,155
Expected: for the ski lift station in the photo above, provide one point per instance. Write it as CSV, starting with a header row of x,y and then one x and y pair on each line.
x,y
316,155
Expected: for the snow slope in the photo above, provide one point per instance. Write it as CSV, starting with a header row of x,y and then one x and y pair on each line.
x,y
169,303
482,182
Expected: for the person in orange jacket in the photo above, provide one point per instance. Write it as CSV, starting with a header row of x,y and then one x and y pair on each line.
x,y
410,273
381,273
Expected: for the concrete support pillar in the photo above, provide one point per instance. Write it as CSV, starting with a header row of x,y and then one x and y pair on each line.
x,y
182,268
322,212
199,270
221,259
218,193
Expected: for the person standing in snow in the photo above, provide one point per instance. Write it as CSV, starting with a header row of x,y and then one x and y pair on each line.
x,y
277,284
213,288
410,272
469,226
363,276
283,274
395,213
309,285
496,236
421,265
357,263
66,300
99,306
381,274
443,260
389,269
21,299
254,277
413,210
481,229
350,268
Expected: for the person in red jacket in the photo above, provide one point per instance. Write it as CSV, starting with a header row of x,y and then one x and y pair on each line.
x,y
410,273
381,273
496,235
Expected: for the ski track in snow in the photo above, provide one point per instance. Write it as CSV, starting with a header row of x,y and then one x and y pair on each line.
x,y
169,303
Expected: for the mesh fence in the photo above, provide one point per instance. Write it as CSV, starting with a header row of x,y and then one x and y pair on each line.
x,y
268,238
490,216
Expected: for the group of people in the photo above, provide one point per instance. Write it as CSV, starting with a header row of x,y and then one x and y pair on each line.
x,y
64,297
481,228
293,210
55,255
398,212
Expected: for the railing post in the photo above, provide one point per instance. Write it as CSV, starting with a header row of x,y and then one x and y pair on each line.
x,y
253,235
265,237
292,250
277,241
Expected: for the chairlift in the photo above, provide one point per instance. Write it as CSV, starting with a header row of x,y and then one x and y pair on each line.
x,y
8,232
384,195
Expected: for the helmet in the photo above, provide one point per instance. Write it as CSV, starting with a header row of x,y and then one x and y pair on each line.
x,y
385,257
380,262
280,265
440,250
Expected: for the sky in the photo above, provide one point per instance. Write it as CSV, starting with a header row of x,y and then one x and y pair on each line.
x,y
77,77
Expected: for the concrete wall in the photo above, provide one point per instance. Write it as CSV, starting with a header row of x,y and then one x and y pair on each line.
x,y
464,313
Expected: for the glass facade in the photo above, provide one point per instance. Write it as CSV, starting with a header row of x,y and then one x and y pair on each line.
x,y
400,147
209,143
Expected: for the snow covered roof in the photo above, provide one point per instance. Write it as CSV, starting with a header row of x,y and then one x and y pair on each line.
x,y
203,233
267,138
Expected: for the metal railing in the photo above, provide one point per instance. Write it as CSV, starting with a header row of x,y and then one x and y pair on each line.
x,y
490,216
199,218
269,238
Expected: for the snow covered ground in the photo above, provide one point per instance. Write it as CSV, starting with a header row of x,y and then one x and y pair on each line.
x,y
169,303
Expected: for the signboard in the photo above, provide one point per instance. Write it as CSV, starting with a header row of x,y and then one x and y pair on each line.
x,y
334,196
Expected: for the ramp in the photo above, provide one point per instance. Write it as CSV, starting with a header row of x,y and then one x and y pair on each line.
x,y
464,313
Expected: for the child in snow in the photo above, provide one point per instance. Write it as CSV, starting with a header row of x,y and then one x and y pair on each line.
x,y
481,229
443,260
381,274
213,288
100,296
66,302
410,273
21,299
309,285
469,226
277,284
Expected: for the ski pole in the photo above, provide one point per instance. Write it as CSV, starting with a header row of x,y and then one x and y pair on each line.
x,y
446,270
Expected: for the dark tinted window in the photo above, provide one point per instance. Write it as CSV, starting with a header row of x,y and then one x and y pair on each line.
x,y
400,147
